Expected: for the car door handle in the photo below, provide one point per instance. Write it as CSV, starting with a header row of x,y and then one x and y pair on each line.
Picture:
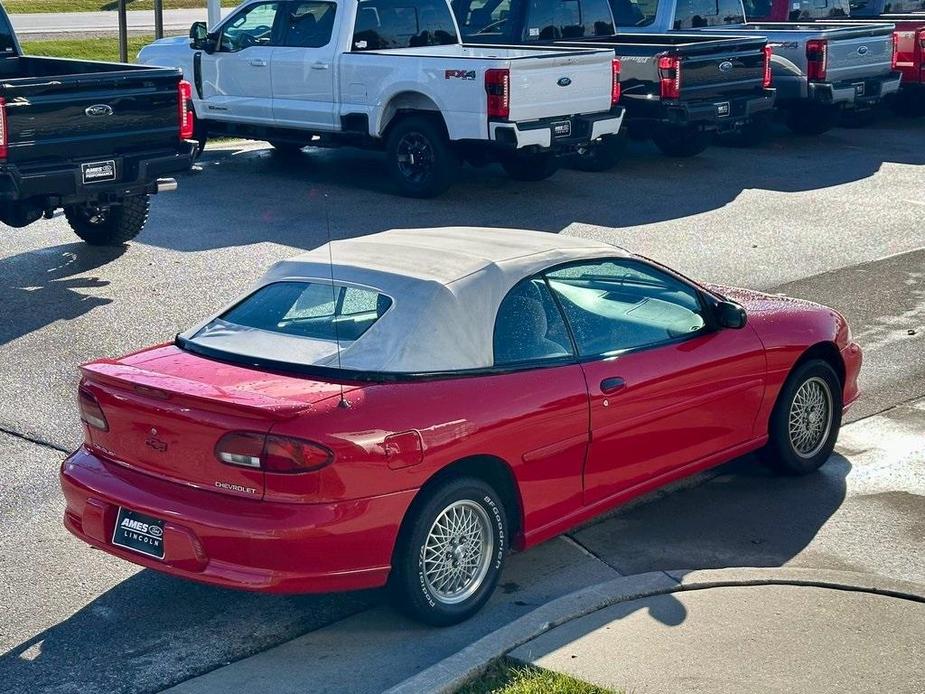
x,y
320,66
258,62
612,385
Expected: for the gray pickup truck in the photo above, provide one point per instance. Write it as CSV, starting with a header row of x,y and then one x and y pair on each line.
x,y
820,69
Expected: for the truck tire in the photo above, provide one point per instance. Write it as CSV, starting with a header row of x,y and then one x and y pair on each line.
x,y
752,134
420,158
909,103
858,118
450,552
524,166
111,225
806,419
287,148
200,135
811,119
603,155
681,142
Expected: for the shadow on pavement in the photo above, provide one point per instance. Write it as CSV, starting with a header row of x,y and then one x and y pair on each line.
x,y
40,287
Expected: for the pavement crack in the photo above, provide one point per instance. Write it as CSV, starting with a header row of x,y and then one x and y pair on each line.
x,y
35,440
584,549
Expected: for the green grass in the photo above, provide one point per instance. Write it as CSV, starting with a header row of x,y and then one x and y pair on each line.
x,y
506,677
86,49
22,6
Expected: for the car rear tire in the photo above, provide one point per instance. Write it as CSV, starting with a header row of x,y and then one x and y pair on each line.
x,y
420,158
681,142
109,225
450,552
806,419
603,155
529,166
811,119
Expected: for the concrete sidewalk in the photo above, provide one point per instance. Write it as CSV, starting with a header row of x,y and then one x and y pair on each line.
x,y
50,23
755,639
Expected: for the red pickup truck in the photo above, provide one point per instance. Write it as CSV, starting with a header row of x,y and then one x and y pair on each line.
x,y
909,35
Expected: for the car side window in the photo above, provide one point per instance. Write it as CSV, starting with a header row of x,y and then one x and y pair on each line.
x,y
529,326
567,19
384,24
252,26
309,24
621,304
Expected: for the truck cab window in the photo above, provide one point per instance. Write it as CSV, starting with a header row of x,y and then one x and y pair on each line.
x,y
309,24
484,18
818,9
567,19
384,24
634,13
696,14
252,26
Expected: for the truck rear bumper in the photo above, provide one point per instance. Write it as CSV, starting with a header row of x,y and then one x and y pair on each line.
x,y
721,114
855,94
580,131
63,184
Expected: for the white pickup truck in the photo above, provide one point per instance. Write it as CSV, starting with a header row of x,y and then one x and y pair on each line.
x,y
392,74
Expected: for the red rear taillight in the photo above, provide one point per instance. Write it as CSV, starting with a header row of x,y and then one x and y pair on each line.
x,y
271,453
91,413
894,60
817,58
498,88
615,81
669,71
4,135
768,79
922,39
185,93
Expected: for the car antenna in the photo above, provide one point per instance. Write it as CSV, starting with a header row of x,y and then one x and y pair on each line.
x,y
327,217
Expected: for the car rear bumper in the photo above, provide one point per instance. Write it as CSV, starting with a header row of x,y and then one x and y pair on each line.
x,y
233,541
857,93
582,130
852,357
62,184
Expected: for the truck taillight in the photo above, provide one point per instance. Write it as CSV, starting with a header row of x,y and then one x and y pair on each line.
x,y
768,79
91,413
922,39
271,453
615,81
185,94
4,133
894,60
498,88
669,72
817,58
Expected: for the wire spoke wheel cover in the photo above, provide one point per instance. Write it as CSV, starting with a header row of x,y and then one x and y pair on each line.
x,y
457,552
810,417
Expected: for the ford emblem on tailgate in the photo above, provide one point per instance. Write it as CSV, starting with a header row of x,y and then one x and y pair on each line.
x,y
564,81
98,110
862,50
725,66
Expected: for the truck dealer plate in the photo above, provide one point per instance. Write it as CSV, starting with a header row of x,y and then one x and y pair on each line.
x,y
562,128
723,108
98,171
859,89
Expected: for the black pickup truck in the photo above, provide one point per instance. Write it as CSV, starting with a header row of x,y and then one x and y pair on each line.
x,y
96,139
726,85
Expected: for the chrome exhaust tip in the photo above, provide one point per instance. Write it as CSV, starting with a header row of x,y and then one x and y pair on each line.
x,y
166,185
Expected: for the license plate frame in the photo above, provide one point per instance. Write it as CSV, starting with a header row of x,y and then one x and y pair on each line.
x,y
139,533
562,128
723,109
98,172
860,88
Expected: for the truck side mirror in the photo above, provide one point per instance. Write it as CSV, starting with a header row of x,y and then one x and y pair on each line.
x,y
729,314
200,39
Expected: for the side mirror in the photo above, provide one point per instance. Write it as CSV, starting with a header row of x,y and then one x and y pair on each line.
x,y
200,39
729,314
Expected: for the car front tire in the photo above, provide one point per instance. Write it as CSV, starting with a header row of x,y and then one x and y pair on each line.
x,y
451,552
806,419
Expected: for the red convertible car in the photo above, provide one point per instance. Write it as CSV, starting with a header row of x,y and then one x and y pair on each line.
x,y
404,408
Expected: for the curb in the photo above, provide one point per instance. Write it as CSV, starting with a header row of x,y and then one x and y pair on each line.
x,y
451,673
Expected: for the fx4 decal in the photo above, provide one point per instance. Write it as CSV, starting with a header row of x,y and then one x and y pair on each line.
x,y
459,74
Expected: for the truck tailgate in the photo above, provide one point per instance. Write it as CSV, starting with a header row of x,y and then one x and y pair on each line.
x,y
560,83
709,72
55,112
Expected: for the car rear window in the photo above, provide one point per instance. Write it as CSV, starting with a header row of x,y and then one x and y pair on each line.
x,y
310,309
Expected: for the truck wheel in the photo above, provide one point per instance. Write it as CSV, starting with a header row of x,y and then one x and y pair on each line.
x,y
751,134
681,142
523,166
806,419
450,552
110,225
858,118
287,148
909,103
811,119
420,158
603,155
200,135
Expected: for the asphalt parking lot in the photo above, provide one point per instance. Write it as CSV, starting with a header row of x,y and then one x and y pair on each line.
x,y
836,219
